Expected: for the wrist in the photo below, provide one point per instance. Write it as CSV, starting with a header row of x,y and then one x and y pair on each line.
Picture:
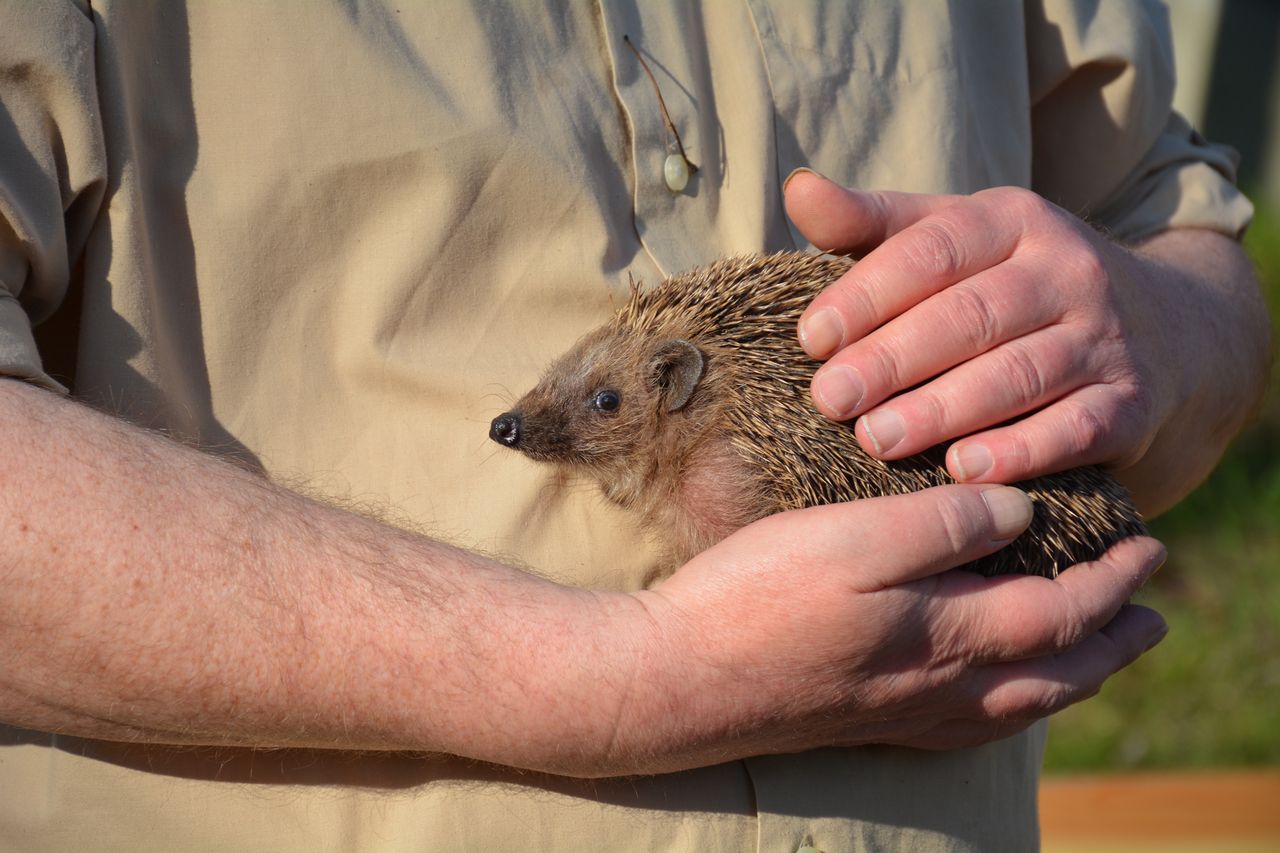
x,y
644,706
1206,313
704,687
1215,324
559,685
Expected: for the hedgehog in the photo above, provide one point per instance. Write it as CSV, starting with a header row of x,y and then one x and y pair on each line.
x,y
691,408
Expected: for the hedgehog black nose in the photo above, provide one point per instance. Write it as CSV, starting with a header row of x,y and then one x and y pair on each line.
x,y
505,429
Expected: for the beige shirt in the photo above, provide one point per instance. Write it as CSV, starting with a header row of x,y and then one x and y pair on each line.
x,y
335,239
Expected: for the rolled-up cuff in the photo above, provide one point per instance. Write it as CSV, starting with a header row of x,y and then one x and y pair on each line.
x,y
1182,182
19,357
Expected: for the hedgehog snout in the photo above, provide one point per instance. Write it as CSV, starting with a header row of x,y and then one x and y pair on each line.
x,y
506,428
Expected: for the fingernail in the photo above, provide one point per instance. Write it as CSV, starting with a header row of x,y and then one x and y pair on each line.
x,y
971,461
1156,638
1010,511
885,429
821,333
1159,560
795,172
840,389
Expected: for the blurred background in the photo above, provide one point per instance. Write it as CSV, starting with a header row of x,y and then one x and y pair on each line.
x,y
1210,696
1207,700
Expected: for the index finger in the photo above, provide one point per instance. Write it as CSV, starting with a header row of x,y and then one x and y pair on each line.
x,y
929,243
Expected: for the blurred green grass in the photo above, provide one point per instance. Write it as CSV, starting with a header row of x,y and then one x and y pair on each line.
x,y
1209,695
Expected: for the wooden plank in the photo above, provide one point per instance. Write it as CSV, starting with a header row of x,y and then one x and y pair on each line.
x,y
1173,806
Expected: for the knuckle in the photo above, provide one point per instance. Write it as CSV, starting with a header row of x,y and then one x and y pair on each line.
x,y
937,250
928,417
884,364
1129,409
1006,703
858,308
929,414
1015,451
1074,628
1021,370
1085,267
879,204
992,195
1133,401
1023,203
1104,329
1000,196
1057,695
999,705
1085,427
957,523
939,417
1033,700
973,317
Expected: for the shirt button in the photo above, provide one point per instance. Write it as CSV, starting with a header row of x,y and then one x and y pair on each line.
x,y
676,172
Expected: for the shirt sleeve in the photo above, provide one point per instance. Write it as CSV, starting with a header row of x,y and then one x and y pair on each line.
x,y
52,168
1107,144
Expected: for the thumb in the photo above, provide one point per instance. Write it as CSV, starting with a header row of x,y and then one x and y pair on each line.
x,y
850,222
923,533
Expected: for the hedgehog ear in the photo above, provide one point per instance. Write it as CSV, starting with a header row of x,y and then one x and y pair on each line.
x,y
677,369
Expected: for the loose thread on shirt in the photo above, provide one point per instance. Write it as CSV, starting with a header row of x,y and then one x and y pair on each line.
x,y
662,105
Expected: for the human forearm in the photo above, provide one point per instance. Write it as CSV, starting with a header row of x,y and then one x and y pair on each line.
x,y
152,592
1220,345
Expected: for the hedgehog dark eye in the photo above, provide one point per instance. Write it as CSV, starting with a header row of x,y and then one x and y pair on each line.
x,y
606,401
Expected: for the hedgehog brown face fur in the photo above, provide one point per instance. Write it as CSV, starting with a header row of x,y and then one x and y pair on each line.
x,y
642,416
691,407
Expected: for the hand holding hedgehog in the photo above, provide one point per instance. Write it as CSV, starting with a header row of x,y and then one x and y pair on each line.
x,y
968,312
838,625
679,407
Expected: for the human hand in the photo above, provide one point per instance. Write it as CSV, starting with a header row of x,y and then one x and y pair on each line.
x,y
838,625
970,311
